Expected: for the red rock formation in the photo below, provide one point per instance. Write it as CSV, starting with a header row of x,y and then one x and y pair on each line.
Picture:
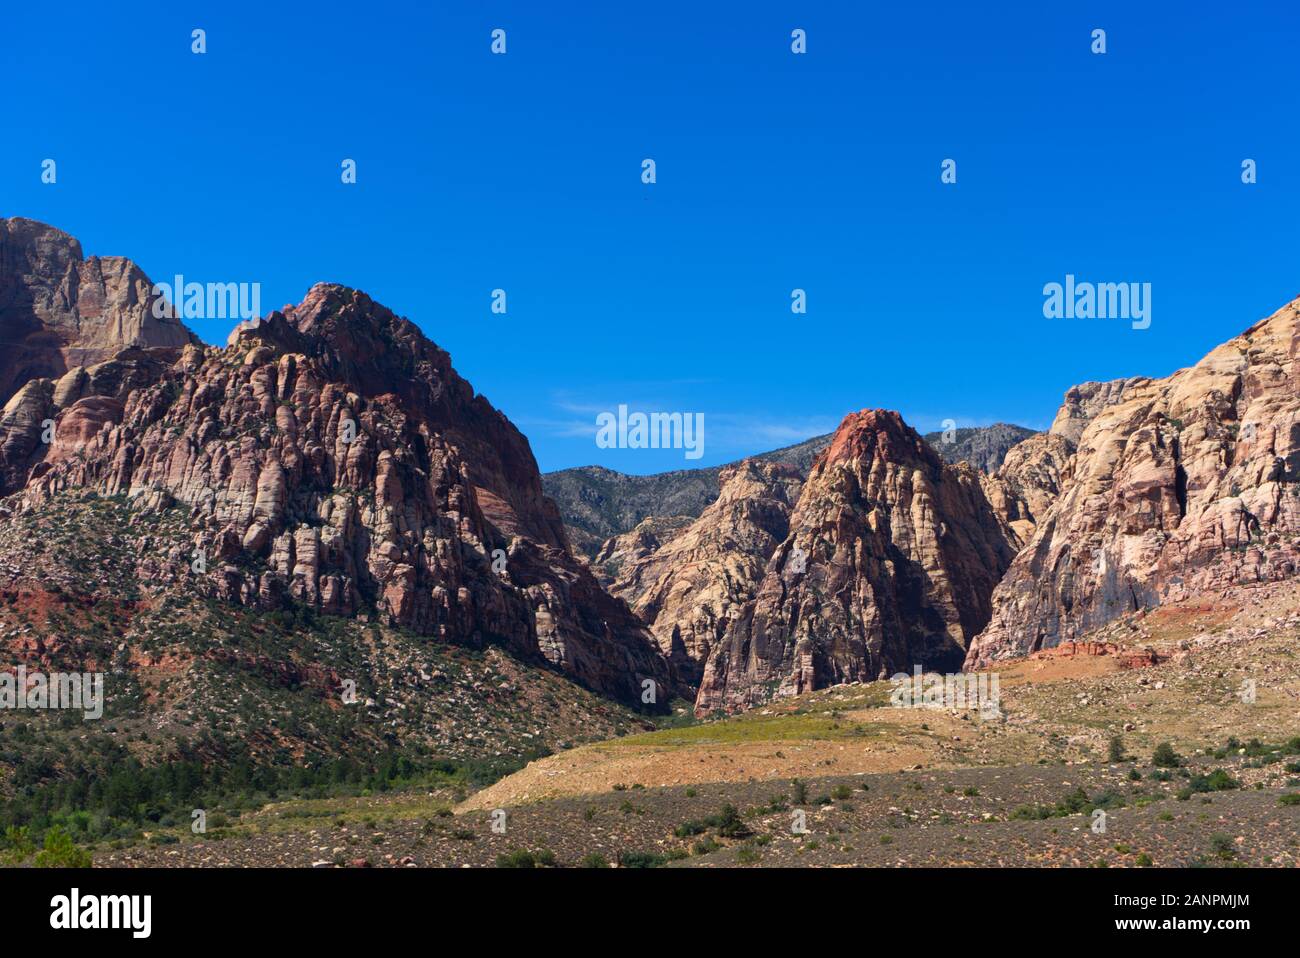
x,y
1180,486
331,454
890,562
60,310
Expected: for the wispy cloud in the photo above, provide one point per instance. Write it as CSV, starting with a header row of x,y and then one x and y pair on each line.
x,y
726,432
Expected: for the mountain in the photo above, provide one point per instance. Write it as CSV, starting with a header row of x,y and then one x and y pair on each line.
x,y
890,562
694,583
1179,487
599,503
60,310
328,459
1027,483
984,447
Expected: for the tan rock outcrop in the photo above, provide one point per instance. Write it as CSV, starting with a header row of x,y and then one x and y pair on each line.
x,y
1029,481
691,588
890,562
1179,486
1083,402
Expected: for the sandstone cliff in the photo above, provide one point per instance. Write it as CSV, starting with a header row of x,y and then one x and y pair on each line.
x,y
329,455
690,589
890,562
599,504
1179,486
1029,481
60,310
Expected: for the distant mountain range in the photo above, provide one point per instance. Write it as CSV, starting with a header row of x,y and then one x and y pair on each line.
x,y
598,503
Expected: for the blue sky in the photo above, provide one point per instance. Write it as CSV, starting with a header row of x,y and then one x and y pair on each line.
x,y
775,171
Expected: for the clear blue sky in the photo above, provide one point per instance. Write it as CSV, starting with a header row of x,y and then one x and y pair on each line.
x,y
775,171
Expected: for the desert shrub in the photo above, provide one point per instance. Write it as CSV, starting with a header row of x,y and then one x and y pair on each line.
x,y
1223,846
60,852
641,860
519,858
729,823
1165,756
706,845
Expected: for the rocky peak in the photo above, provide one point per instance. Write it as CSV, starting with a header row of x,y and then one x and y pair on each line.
x,y
890,561
331,456
984,447
1082,404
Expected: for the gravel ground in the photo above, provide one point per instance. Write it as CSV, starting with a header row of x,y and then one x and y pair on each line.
x,y
945,818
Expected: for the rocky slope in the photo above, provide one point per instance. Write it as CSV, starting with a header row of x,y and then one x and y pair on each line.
x,y
1028,482
890,562
984,447
599,504
1179,486
691,587
60,310
329,457
649,535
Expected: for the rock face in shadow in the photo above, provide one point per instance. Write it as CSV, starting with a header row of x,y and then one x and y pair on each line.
x,y
60,310
329,455
890,562
1179,486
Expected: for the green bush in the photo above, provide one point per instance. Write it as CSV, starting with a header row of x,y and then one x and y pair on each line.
x,y
1165,756
60,852
1223,846
1217,781
519,858
641,860
729,823
18,846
